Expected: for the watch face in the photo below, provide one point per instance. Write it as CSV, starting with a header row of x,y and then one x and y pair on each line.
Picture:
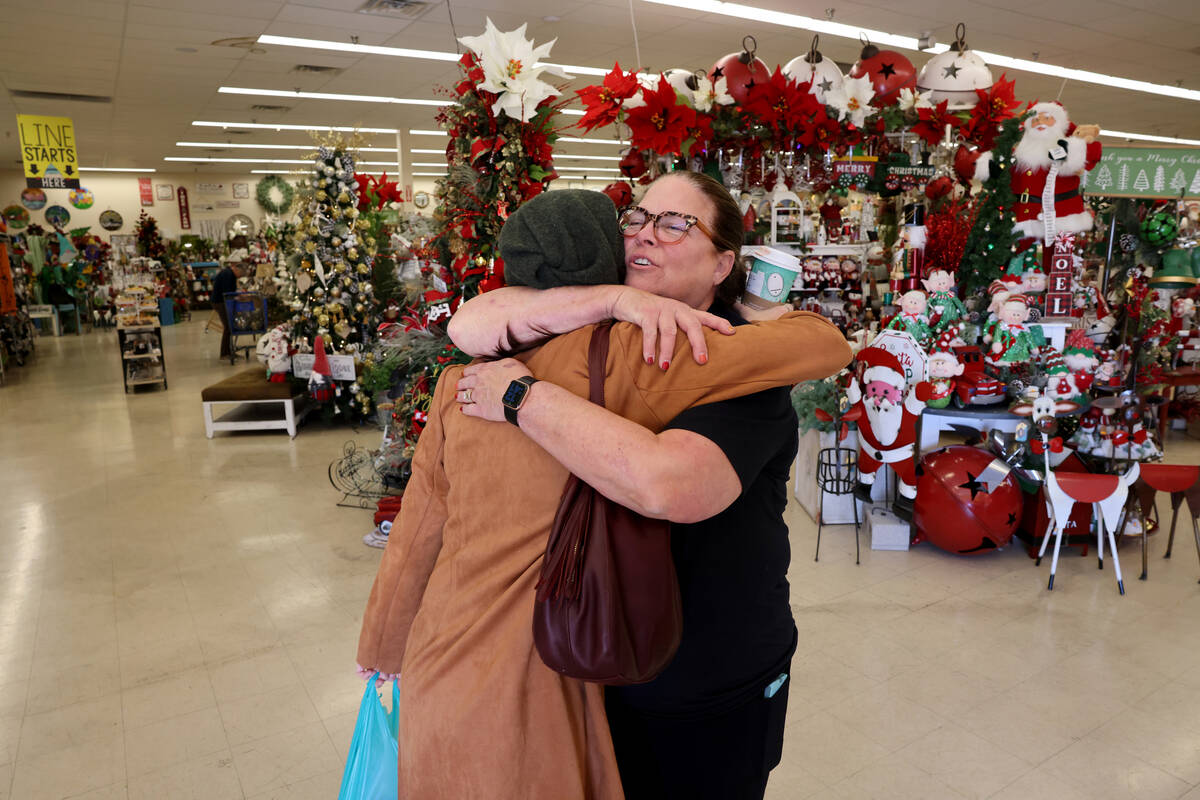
x,y
515,394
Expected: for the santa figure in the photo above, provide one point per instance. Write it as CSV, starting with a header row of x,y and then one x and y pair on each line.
x,y
887,427
1050,160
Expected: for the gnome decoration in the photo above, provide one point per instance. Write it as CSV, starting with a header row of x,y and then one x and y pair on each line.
x,y
888,409
944,306
1060,384
320,382
1050,160
1079,354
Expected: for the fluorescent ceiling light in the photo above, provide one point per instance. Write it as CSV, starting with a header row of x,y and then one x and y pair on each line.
x,y
428,152
882,38
245,146
593,169
242,160
281,127
421,132
590,141
297,172
430,174
114,169
402,52
428,164
585,158
1148,137
571,112
356,98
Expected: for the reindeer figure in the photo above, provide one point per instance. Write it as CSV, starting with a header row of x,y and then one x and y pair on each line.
x,y
1106,493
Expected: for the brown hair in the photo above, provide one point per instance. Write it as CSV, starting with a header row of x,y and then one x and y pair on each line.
x,y
728,233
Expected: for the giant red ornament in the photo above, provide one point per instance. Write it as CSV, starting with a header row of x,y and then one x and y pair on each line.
x,y
632,164
620,193
954,509
889,72
741,71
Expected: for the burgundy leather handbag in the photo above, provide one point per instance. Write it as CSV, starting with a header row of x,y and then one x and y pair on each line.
x,y
608,608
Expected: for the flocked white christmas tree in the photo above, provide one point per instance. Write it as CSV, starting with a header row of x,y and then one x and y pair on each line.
x,y
1141,183
1160,179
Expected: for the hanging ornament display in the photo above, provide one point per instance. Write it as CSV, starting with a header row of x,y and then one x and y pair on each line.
x,y
888,70
632,164
741,71
955,75
968,502
1159,228
812,66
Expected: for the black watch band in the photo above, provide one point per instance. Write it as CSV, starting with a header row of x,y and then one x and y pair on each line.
x,y
514,397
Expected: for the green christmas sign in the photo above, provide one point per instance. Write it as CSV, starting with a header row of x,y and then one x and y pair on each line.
x,y
1150,172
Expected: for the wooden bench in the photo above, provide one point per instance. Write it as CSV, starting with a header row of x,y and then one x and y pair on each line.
x,y
258,404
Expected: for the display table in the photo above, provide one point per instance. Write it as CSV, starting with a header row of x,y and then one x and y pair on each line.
x,y
934,421
258,404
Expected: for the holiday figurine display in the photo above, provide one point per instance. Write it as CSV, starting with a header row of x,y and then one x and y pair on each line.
x,y
1060,383
1014,342
968,501
912,318
1079,355
944,367
320,381
273,350
944,306
887,428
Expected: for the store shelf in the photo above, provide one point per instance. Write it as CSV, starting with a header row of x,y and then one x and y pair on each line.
x,y
132,371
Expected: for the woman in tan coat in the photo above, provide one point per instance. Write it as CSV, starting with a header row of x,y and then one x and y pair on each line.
x,y
451,609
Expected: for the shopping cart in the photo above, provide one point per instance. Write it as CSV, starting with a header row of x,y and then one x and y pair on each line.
x,y
247,316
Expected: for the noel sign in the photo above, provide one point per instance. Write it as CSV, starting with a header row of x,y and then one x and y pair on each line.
x,y
1162,172
1058,283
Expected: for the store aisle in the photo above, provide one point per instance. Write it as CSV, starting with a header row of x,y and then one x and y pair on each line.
x,y
178,619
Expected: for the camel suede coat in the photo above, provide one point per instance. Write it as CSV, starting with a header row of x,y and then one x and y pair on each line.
x,y
451,610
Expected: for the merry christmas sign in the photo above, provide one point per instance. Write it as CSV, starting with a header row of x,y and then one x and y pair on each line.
x,y
1146,172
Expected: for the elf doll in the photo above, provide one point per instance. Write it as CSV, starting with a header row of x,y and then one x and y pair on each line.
x,y
912,318
1013,341
944,306
944,367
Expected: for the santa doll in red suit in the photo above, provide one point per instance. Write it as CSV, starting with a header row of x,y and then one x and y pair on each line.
x,y
887,426
1050,146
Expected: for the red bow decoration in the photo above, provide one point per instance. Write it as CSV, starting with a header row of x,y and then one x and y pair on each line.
x,y
1140,437
1056,445
481,147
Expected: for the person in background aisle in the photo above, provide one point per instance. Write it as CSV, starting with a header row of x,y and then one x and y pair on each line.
x,y
711,725
451,609
226,283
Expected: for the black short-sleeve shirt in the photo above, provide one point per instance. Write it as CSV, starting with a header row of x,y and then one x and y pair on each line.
x,y
737,617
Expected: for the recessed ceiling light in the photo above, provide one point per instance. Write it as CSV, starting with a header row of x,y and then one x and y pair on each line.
x,y
1149,137
281,127
357,98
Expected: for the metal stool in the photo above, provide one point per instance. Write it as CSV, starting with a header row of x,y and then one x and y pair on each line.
x,y
1181,480
837,472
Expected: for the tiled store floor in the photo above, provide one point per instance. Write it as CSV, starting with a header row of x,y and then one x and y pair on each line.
x,y
178,619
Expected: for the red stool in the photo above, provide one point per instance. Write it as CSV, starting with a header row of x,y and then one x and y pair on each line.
x,y
1180,480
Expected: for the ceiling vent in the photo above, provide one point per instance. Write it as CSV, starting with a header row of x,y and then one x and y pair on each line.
x,y
262,107
60,97
409,9
316,69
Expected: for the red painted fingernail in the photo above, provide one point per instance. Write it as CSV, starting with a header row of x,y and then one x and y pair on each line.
x,y
650,360
703,358
666,364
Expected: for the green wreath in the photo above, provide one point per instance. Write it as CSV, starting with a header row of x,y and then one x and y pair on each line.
x,y
265,191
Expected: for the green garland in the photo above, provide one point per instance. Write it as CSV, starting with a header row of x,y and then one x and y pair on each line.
x,y
263,192
992,238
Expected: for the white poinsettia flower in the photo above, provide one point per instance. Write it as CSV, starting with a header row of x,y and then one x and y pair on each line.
x,y
511,70
911,100
852,100
709,94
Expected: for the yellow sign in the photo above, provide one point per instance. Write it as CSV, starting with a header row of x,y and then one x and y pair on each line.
x,y
48,151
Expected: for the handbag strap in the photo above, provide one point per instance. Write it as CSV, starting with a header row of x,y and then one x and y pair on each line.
x,y
597,361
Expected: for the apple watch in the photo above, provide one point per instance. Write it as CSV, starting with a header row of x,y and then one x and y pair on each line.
x,y
514,397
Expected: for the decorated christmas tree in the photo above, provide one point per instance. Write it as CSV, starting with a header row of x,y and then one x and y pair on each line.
x,y
331,262
502,131
992,241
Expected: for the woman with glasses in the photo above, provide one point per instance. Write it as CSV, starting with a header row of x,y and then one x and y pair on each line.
x,y
711,725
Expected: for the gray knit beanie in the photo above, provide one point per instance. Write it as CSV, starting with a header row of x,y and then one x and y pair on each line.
x,y
566,237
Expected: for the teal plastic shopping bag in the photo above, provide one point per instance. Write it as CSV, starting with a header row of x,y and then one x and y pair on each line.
x,y
373,760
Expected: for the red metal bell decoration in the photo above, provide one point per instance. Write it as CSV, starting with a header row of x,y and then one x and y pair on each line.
x,y
939,187
888,70
966,503
620,193
632,164
741,71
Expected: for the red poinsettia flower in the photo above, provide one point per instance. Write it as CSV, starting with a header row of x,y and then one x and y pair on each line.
x,y
933,121
603,102
662,124
825,132
782,104
995,105
470,65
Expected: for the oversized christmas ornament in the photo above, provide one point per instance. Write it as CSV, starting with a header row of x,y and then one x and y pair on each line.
x,y
888,70
1159,228
620,193
967,501
683,81
955,75
822,72
632,164
741,71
